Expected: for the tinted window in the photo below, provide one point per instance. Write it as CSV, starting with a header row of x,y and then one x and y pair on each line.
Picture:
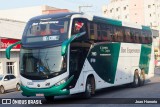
x,y
146,37
6,77
45,32
12,77
127,37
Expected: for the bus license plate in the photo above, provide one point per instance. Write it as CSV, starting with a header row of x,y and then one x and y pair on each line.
x,y
40,95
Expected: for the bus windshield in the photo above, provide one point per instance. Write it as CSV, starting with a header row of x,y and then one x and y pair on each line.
x,y
42,63
46,31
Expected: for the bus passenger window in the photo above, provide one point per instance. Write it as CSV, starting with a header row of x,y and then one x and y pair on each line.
x,y
143,37
109,36
127,35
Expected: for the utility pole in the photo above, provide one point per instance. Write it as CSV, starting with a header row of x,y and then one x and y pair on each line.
x,y
80,7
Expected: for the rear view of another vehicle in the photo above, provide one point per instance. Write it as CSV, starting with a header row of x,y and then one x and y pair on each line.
x,y
8,82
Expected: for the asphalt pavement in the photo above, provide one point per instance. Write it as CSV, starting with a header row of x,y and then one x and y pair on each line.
x,y
118,96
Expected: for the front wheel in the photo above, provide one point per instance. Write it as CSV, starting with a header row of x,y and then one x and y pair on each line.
x,y
90,88
49,98
2,90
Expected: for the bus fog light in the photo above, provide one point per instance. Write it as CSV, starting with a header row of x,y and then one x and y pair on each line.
x,y
64,89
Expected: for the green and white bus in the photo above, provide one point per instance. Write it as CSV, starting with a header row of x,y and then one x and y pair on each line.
x,y
69,53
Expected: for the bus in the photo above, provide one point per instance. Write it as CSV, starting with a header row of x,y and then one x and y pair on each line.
x,y
70,53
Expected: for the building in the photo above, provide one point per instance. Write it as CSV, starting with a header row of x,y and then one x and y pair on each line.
x,y
12,23
10,32
24,14
143,12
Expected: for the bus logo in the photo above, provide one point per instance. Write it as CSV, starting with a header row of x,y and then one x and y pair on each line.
x,y
104,49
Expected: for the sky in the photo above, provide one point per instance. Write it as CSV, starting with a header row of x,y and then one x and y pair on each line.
x,y
96,8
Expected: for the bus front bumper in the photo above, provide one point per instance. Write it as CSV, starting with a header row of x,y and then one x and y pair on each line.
x,y
52,91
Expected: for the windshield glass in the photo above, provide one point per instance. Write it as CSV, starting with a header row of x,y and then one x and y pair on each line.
x,y
46,30
42,63
1,76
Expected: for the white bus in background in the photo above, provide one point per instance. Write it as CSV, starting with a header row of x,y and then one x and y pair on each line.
x,y
69,53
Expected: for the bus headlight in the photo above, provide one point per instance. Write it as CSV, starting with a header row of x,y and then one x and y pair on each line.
x,y
61,82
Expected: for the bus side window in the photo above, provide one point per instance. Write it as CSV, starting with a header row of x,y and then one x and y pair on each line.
x,y
132,34
99,32
109,33
92,30
140,36
114,36
137,37
120,34
91,26
104,32
149,37
127,35
143,37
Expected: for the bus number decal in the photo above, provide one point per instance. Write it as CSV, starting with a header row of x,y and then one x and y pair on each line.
x,y
48,38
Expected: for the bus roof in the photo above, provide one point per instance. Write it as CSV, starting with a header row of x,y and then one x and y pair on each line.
x,y
119,23
95,18
56,15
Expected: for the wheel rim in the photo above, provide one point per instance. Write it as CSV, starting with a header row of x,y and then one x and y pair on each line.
x,y
136,80
142,77
89,88
2,90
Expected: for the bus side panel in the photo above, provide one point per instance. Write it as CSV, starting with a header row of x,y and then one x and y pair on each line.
x,y
103,58
145,57
127,63
151,64
81,83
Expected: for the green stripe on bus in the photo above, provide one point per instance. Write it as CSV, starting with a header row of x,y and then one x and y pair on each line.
x,y
146,28
52,91
107,21
103,59
145,57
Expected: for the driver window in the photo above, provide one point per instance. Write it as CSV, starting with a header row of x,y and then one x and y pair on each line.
x,y
78,26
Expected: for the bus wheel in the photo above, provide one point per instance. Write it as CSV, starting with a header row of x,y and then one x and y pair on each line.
x,y
136,79
142,78
90,87
49,98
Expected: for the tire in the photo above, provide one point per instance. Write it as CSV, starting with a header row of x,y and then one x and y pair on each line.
x,y
49,98
142,78
2,90
90,88
136,79
18,87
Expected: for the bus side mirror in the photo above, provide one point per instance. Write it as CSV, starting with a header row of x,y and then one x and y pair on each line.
x,y
8,50
65,44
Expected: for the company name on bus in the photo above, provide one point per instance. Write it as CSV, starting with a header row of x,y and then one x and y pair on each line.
x,y
128,50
